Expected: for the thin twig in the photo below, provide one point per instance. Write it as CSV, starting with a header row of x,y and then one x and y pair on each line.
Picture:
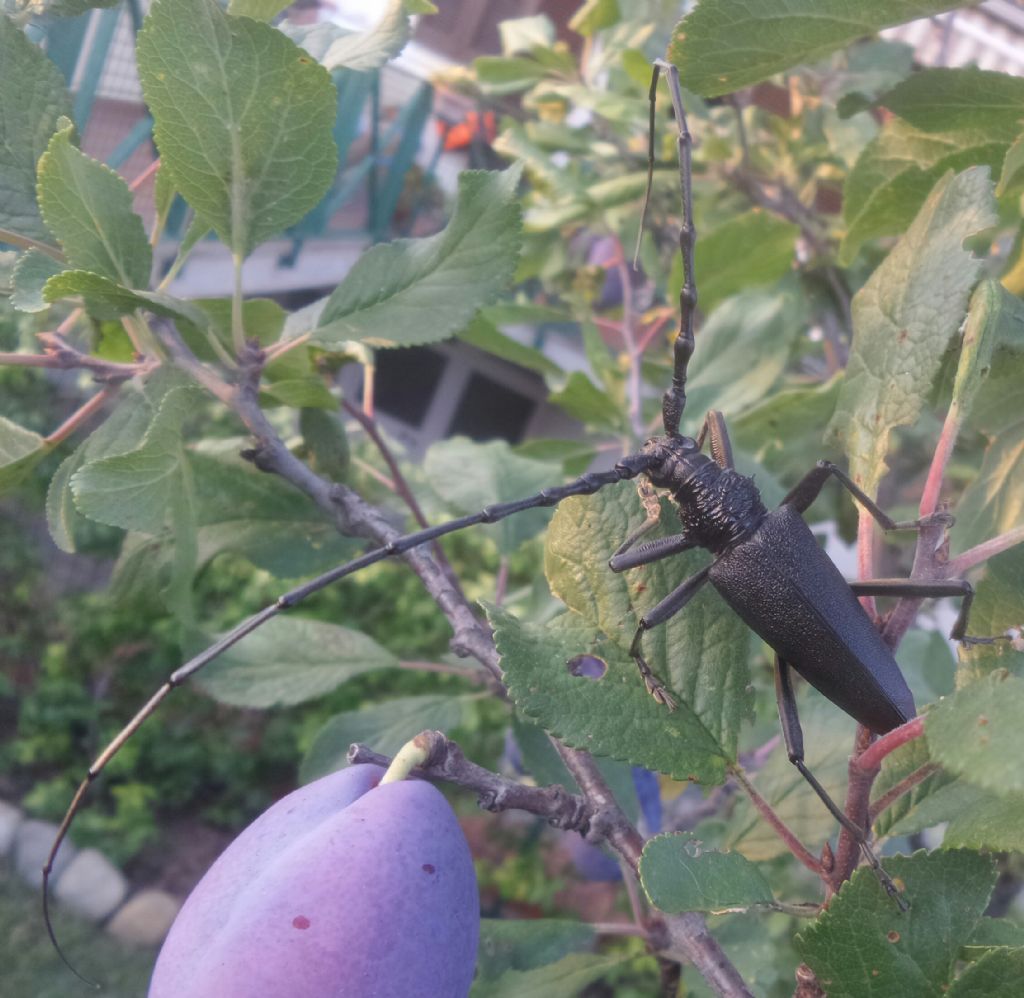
x,y
897,790
980,553
870,760
145,175
788,836
82,415
399,484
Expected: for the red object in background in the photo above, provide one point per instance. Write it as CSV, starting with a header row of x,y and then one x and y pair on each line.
x,y
473,127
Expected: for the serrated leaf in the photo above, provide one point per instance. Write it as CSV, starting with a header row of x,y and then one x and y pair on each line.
x,y
611,716
134,490
930,803
1013,168
864,947
748,251
120,432
993,933
986,820
701,653
31,273
290,660
360,51
897,170
943,99
34,98
88,207
722,45
413,291
977,733
995,975
385,727
471,476
678,877
996,608
106,299
904,318
242,118
20,451
762,327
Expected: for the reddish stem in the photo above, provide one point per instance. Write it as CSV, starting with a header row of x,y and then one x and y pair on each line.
x,y
987,549
870,760
937,470
81,415
795,846
897,790
145,175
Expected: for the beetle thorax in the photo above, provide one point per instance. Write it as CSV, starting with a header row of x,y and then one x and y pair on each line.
x,y
717,506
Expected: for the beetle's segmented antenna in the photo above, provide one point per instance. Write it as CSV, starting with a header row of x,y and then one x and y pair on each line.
x,y
674,400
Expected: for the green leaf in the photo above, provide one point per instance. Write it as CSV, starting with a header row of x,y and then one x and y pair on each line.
x,y
485,335
678,877
594,16
927,665
502,75
701,653
385,727
106,299
20,451
942,100
325,439
996,608
568,976
722,45
242,117
986,820
864,947
134,490
415,291
31,273
120,432
611,716
1013,168
88,207
546,767
260,10
290,660
761,327
470,476
63,8
996,975
827,737
977,733
903,320
580,398
930,803
360,51
994,933
34,98
748,251
897,170
523,34
526,944
784,432
993,354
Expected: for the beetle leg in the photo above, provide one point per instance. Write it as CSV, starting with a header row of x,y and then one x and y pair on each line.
x,y
937,588
652,506
807,489
793,735
663,547
721,446
668,607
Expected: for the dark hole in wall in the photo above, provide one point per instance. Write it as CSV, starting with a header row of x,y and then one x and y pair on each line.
x,y
405,382
488,410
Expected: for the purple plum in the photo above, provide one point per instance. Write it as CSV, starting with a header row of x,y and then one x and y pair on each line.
x,y
344,888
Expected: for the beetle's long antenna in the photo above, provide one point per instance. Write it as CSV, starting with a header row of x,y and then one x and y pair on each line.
x,y
652,101
674,400
628,467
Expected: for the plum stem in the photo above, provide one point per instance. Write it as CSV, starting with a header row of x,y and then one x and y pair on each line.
x,y
413,753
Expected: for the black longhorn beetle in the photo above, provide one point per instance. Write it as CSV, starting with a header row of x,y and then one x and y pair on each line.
x,y
767,565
